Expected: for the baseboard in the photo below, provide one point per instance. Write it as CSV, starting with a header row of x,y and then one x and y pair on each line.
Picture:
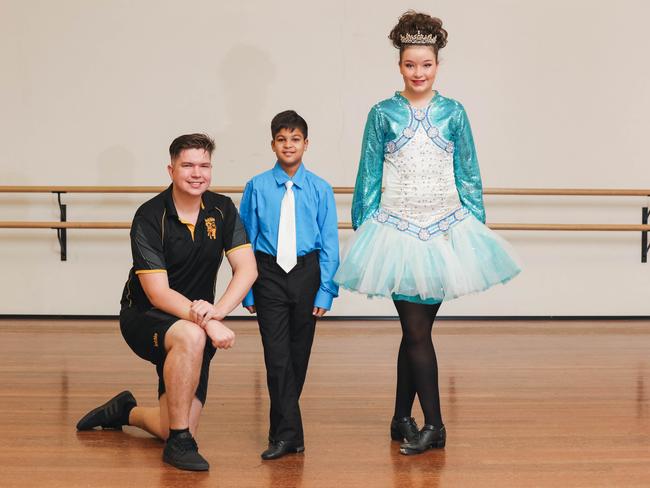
x,y
347,318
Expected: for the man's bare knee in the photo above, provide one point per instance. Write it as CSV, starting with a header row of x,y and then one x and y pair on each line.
x,y
185,335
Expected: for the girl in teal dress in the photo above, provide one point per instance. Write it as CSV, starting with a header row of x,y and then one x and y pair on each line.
x,y
424,239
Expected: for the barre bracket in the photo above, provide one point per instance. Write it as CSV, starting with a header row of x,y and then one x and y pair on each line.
x,y
645,213
62,234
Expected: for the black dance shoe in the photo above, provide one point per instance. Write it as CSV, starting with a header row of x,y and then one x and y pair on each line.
x,y
430,438
110,415
404,429
182,452
278,449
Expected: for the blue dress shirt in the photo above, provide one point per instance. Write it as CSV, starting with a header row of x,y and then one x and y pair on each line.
x,y
316,222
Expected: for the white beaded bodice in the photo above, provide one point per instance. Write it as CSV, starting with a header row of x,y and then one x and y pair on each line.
x,y
419,180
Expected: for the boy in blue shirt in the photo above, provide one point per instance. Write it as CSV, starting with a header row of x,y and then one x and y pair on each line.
x,y
290,217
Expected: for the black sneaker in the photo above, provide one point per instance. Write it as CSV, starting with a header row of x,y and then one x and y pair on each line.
x,y
110,414
182,452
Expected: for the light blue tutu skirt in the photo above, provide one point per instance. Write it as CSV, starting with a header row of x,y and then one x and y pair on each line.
x,y
383,259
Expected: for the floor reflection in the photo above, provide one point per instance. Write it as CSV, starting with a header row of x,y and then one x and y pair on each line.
x,y
175,477
451,413
285,472
64,399
641,396
418,471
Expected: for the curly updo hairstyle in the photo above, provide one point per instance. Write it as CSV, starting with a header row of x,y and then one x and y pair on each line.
x,y
412,22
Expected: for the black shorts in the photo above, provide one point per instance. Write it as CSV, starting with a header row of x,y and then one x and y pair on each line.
x,y
144,332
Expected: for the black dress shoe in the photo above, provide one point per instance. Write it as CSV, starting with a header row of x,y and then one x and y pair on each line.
x,y
278,449
404,429
182,452
110,415
430,438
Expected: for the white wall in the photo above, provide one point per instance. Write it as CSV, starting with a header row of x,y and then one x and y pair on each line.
x,y
92,92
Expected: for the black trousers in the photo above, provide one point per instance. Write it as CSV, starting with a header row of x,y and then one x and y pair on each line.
x,y
284,303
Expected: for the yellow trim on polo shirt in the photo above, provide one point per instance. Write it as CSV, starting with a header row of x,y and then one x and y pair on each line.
x,y
190,226
237,247
148,271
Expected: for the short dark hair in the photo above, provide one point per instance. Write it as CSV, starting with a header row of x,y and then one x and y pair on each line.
x,y
289,119
191,141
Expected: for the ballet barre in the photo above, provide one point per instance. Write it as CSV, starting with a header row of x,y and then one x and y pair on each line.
x,y
63,225
7,224
341,190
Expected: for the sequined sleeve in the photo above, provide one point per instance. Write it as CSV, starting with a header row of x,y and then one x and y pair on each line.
x,y
466,170
367,189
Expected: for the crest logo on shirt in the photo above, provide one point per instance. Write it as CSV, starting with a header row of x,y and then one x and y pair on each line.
x,y
211,227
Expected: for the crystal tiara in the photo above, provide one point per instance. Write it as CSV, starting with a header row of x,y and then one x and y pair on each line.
x,y
418,38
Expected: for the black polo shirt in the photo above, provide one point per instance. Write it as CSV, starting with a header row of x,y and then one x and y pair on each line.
x,y
189,254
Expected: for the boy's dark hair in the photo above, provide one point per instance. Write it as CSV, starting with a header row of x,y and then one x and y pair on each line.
x,y
290,120
191,141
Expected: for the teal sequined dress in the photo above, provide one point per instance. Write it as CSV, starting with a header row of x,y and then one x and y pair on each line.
x,y
423,239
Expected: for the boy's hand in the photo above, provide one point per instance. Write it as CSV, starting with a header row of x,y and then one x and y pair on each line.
x,y
251,308
318,312
220,335
201,312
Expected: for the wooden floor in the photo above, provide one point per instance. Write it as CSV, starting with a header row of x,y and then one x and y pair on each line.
x,y
526,404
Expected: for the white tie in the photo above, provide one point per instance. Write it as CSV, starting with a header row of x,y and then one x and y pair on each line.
x,y
286,257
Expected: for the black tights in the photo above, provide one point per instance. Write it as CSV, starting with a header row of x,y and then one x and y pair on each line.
x,y
417,367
